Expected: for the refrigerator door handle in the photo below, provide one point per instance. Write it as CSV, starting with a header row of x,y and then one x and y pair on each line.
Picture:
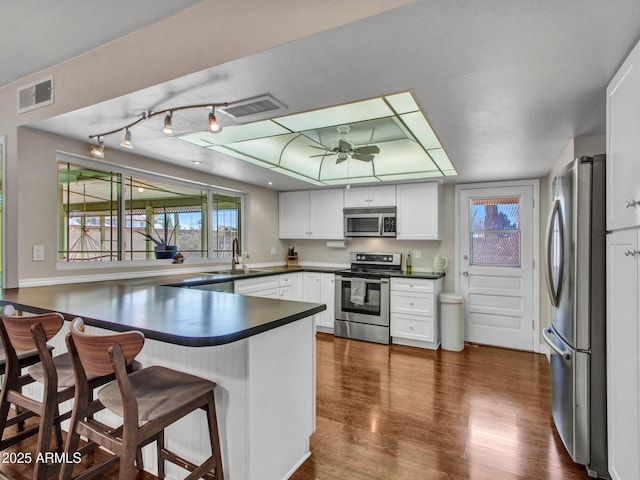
x,y
554,290
547,333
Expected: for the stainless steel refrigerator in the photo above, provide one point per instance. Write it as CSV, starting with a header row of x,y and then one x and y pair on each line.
x,y
575,257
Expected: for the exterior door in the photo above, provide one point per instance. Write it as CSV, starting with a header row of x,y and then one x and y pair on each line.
x,y
495,256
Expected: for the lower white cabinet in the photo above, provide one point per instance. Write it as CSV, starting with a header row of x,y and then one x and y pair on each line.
x,y
623,353
287,286
414,312
320,288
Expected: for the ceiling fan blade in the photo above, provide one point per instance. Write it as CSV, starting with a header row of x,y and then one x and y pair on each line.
x,y
319,148
341,159
344,146
325,154
368,149
360,156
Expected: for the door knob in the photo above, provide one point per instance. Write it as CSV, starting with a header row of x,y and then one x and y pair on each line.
x,y
632,253
465,274
631,203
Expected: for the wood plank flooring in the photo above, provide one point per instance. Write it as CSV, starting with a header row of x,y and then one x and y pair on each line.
x,y
393,412
404,413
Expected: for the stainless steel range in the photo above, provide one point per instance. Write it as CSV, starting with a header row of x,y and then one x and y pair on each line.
x,y
362,296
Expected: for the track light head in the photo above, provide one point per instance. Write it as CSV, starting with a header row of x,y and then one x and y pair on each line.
x,y
127,143
168,128
98,150
214,126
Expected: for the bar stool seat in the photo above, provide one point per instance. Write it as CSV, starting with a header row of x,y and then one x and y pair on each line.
x,y
158,391
147,401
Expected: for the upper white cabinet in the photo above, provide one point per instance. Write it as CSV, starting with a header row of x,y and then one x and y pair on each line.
x,y
623,145
419,211
315,214
383,196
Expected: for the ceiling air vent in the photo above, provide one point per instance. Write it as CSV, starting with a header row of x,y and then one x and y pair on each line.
x,y
252,109
35,95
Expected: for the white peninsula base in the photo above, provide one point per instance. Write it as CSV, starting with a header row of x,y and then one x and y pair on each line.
x,y
265,401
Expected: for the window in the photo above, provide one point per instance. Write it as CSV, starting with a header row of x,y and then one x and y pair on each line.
x,y
159,217
495,231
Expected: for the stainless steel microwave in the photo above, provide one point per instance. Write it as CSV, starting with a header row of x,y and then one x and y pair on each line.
x,y
370,222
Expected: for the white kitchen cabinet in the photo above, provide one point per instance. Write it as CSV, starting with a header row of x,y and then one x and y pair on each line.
x,y
290,286
623,351
315,214
419,211
623,146
267,286
320,288
414,312
383,196
287,286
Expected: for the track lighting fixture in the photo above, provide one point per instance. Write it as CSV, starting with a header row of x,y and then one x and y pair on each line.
x,y
126,143
168,128
98,150
214,126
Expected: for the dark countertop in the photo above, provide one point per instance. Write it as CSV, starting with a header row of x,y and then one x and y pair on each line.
x,y
180,316
424,275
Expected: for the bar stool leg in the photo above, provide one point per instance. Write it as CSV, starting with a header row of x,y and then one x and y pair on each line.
x,y
214,436
159,449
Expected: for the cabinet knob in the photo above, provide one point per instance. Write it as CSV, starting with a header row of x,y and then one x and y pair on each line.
x,y
631,203
631,253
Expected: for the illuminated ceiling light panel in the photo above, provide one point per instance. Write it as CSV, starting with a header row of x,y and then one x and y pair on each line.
x,y
383,139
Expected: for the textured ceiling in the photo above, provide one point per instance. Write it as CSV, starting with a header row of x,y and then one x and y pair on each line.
x,y
505,84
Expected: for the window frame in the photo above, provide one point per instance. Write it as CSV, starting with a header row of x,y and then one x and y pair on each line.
x,y
123,171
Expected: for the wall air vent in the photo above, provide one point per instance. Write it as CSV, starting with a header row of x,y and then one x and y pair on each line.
x,y
252,109
35,95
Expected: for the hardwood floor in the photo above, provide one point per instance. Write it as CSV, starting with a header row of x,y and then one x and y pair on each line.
x,y
393,412
404,413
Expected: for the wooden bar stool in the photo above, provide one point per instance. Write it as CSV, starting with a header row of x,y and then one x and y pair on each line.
x,y
20,336
148,401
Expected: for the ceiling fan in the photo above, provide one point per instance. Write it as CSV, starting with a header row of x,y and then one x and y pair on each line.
x,y
344,150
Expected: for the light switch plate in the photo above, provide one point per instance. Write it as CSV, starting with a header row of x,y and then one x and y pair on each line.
x,y
273,250
417,254
38,253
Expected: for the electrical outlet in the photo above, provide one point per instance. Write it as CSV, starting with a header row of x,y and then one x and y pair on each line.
x,y
417,254
38,253
273,250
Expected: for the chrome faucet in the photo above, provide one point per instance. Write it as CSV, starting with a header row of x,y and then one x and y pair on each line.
x,y
235,249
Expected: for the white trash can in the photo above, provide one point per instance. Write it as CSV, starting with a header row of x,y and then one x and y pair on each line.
x,y
452,321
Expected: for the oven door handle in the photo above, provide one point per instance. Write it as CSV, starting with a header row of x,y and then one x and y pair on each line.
x,y
367,280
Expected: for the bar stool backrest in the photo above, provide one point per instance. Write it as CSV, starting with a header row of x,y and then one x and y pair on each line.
x,y
93,350
20,329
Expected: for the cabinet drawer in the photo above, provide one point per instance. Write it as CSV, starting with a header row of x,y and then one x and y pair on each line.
x,y
412,285
412,326
412,303
287,279
250,285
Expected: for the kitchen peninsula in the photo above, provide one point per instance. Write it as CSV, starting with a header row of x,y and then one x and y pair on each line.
x,y
260,351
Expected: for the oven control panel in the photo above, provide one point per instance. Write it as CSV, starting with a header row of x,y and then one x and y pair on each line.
x,y
389,259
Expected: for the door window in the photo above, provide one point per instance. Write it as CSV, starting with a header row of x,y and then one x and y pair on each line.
x,y
495,231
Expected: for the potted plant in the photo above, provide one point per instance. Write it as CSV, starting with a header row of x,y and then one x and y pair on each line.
x,y
163,248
